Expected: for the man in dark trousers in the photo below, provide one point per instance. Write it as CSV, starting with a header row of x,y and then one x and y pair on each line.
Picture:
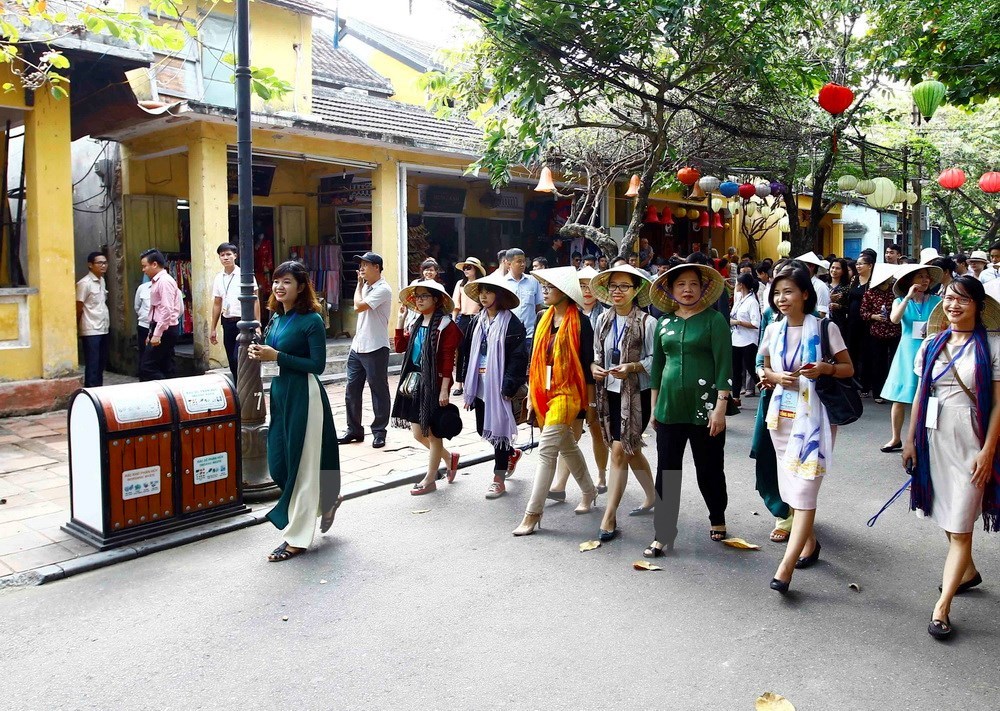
x,y
369,357
157,361
93,319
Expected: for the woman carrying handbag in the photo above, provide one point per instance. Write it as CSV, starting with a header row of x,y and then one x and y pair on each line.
x,y
430,344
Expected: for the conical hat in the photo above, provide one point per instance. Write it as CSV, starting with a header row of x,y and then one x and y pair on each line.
x,y
938,320
712,287
812,258
599,285
881,273
564,279
904,269
506,297
586,273
406,295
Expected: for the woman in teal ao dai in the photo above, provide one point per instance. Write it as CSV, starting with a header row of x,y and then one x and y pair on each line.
x,y
302,452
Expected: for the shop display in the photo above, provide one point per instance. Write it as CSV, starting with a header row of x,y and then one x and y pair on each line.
x,y
325,264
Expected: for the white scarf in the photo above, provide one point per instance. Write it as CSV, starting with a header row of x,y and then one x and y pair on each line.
x,y
810,444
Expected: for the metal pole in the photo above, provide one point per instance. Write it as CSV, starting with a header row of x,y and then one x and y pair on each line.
x,y
257,483
903,235
710,216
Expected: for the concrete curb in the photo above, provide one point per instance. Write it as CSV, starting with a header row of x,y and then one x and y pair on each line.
x,y
103,559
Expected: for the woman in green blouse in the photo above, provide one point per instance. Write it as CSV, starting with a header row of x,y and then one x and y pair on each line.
x,y
302,452
692,380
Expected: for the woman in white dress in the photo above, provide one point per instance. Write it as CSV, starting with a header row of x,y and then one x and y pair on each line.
x,y
744,320
955,469
796,417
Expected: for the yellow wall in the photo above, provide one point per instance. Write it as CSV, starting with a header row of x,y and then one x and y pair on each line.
x,y
405,80
273,34
12,99
50,270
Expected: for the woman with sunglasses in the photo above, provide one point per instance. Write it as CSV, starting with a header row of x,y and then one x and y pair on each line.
x,y
623,359
951,446
430,345
465,309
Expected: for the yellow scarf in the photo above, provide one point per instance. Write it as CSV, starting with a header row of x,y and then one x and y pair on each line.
x,y
568,385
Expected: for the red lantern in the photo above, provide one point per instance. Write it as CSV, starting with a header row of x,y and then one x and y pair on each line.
x,y
990,182
747,191
835,99
952,179
688,176
667,217
652,216
717,221
703,221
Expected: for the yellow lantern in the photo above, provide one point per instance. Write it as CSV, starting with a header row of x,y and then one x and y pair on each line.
x,y
911,198
680,212
865,187
808,181
900,196
883,195
847,182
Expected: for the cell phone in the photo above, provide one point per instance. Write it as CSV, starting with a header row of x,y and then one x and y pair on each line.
x,y
808,366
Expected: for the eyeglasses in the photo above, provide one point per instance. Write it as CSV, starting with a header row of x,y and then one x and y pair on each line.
x,y
418,297
960,300
621,288
546,288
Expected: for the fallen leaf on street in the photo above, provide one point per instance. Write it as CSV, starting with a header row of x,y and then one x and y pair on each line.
x,y
322,582
589,546
740,543
420,511
855,587
643,565
769,701
284,618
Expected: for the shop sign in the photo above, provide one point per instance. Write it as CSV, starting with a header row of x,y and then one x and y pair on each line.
x,y
440,198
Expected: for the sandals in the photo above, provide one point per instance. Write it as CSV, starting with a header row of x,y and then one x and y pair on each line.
x,y
891,447
419,490
940,629
717,536
453,469
327,519
283,553
653,552
779,535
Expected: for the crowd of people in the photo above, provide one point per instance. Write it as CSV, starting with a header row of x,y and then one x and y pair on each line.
x,y
614,346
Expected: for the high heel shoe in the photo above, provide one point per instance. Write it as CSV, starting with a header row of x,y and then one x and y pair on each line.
x,y
528,525
652,551
780,585
642,510
809,560
556,495
605,536
586,503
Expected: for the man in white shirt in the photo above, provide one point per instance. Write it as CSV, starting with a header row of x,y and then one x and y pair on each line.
x,y
369,357
93,319
991,271
816,264
226,304
528,290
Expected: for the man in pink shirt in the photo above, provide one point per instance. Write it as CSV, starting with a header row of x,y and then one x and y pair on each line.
x,y
157,362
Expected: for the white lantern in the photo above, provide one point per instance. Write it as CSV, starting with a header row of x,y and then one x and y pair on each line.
x,y
717,205
734,206
780,212
709,184
765,211
911,198
751,209
763,190
847,182
900,196
784,225
883,195
865,187
784,248
808,181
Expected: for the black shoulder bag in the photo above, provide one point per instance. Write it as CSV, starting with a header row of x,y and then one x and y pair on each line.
x,y
840,396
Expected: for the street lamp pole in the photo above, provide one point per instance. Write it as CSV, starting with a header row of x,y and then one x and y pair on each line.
x,y
257,483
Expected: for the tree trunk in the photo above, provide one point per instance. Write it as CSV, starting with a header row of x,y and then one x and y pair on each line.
x,y
657,154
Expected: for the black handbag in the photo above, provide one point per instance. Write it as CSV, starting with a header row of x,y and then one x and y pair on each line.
x,y
840,396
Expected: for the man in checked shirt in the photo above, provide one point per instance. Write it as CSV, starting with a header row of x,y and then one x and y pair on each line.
x,y
157,362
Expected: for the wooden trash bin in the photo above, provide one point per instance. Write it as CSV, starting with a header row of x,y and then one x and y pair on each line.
x,y
151,458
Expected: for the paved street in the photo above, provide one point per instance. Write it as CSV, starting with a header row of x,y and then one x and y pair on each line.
x,y
445,609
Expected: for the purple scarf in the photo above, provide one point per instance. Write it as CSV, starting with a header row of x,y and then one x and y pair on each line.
x,y
499,427
922,489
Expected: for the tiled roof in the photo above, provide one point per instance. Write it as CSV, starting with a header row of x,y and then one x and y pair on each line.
x,y
316,8
394,122
342,68
415,53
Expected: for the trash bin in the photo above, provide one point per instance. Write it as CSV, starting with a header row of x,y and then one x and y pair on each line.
x,y
121,461
209,442
150,458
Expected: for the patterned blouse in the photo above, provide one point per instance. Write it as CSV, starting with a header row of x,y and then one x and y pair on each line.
x,y
877,302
